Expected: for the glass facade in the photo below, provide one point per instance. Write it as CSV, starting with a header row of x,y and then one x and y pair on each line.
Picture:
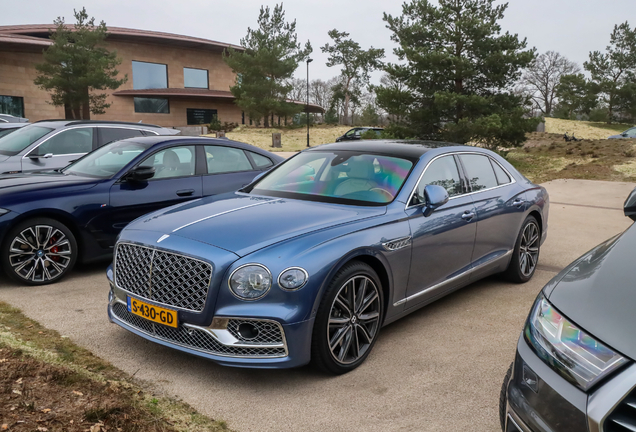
x,y
149,75
152,105
12,105
195,78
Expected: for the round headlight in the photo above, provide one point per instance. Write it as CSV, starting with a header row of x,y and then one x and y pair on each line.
x,y
250,282
292,278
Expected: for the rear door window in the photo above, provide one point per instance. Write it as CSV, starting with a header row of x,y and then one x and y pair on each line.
x,y
502,177
260,161
479,172
222,159
108,135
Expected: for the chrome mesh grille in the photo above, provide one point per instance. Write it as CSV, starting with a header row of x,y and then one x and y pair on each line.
x,y
623,418
163,277
192,338
268,332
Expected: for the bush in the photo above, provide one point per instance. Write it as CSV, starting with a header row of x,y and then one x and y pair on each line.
x,y
398,131
369,135
331,117
598,115
216,126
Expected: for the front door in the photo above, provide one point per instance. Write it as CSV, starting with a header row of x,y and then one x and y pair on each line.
x,y
442,242
60,150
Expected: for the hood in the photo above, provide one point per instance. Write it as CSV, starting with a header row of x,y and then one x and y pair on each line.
x,y
598,293
243,224
41,181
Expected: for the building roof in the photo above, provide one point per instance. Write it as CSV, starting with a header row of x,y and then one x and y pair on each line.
x,y
42,31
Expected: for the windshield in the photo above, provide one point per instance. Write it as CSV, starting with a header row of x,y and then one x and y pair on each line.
x,y
14,143
347,177
106,161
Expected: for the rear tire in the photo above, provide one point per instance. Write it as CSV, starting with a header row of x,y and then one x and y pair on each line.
x,y
503,398
525,255
38,251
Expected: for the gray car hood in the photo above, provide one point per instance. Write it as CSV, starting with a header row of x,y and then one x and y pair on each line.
x,y
598,293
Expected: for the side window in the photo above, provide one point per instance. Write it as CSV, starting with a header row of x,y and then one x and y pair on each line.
x,y
261,162
108,135
351,133
172,162
226,159
70,141
479,171
442,172
502,177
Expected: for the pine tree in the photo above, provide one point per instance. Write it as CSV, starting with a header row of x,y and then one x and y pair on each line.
x,y
77,66
460,71
265,67
576,95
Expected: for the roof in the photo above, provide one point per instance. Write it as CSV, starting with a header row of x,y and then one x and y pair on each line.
x,y
62,122
398,148
38,32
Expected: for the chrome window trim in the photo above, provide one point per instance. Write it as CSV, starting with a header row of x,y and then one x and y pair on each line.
x,y
293,289
512,179
453,279
604,401
246,265
154,249
84,126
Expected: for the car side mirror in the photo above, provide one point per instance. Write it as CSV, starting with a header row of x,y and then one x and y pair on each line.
x,y
624,135
435,196
141,173
630,205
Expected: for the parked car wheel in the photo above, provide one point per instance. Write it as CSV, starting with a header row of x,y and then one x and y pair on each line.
x,y
39,251
348,320
525,256
503,398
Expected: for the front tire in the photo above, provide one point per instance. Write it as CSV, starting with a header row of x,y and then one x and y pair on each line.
x,y
503,399
348,319
39,251
525,256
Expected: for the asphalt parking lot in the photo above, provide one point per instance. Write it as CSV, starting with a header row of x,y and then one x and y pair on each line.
x,y
439,369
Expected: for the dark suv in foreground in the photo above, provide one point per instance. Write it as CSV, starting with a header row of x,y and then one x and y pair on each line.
x,y
574,369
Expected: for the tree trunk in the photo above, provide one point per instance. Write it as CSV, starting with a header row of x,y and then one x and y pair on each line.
x,y
345,109
266,121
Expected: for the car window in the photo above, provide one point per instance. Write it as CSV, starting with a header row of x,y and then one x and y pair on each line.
x,y
479,171
261,161
108,135
441,172
14,143
4,132
222,159
107,160
172,162
358,132
630,132
71,141
502,177
350,132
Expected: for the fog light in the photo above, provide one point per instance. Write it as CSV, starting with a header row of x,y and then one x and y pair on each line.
x,y
248,331
530,379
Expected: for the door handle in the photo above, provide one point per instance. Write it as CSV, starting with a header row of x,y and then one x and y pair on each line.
x,y
468,215
518,202
185,192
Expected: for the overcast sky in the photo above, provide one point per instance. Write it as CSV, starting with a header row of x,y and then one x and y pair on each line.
x,y
571,27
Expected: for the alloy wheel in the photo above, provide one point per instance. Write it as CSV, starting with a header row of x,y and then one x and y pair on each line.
x,y
529,249
40,253
354,320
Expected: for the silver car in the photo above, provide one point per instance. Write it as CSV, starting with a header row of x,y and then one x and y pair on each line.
x,y
48,145
8,118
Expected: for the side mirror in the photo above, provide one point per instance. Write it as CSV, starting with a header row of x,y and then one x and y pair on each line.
x,y
624,135
630,206
141,173
436,196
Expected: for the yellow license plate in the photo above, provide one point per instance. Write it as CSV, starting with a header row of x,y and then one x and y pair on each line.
x,y
153,313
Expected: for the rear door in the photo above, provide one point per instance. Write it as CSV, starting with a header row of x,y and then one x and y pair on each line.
x,y
108,134
229,169
60,149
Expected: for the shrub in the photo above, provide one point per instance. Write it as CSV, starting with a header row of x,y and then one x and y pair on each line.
x,y
369,135
397,131
598,115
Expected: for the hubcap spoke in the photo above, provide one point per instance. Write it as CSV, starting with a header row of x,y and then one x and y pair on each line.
x,y
529,249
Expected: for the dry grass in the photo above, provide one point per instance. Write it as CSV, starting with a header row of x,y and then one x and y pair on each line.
x,y
292,139
582,129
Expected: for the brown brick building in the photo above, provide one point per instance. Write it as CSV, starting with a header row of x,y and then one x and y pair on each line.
x,y
173,80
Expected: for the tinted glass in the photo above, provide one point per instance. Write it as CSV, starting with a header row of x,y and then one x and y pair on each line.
x,y
172,162
502,177
195,78
4,132
630,132
71,141
106,160
12,105
108,135
344,177
479,171
226,159
197,116
152,105
261,161
149,75
17,141
441,172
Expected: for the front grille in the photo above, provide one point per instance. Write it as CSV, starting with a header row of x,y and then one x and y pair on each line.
x,y
268,332
163,277
623,418
193,338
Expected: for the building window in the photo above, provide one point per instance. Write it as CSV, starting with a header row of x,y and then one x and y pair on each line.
x,y
195,78
152,105
149,75
197,116
12,105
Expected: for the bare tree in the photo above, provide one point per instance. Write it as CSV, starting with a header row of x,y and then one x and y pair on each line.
x,y
543,76
298,90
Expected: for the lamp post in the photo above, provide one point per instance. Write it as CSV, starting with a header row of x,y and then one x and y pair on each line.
x,y
307,106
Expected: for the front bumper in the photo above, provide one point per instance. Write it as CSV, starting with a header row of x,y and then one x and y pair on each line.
x,y
555,405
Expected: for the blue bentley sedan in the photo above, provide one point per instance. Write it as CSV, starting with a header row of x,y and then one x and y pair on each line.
x,y
312,259
49,221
